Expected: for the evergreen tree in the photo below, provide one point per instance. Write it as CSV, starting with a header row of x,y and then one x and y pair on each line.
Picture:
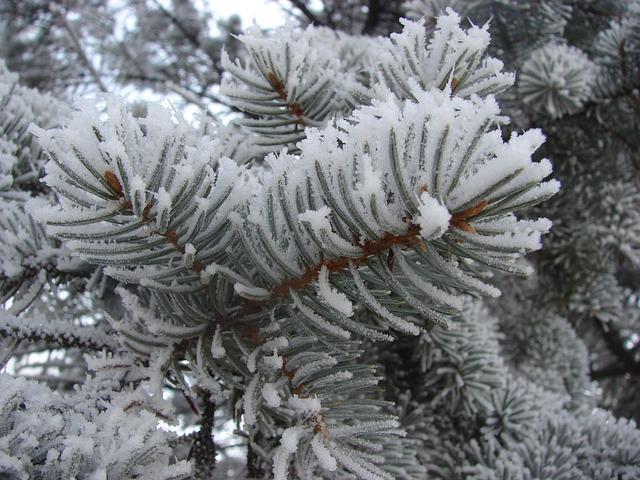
x,y
340,269
578,81
121,47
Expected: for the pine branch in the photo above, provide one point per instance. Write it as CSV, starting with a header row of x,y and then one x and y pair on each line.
x,y
55,333
254,467
154,213
118,440
187,94
285,85
378,227
335,212
449,59
372,248
612,371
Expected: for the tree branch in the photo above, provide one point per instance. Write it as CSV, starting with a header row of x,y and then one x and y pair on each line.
x,y
78,46
58,333
374,247
608,372
203,449
185,32
300,5
616,345
373,17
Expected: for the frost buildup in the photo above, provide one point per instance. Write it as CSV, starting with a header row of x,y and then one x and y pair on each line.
x,y
316,271
557,79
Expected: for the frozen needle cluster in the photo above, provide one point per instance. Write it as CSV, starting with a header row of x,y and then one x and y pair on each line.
x,y
322,283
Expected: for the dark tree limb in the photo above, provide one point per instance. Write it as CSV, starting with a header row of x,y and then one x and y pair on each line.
x,y
254,465
373,17
192,39
203,450
608,372
626,363
75,41
300,5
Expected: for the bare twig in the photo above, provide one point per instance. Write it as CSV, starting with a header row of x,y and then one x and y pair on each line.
x,y
190,97
300,5
56,9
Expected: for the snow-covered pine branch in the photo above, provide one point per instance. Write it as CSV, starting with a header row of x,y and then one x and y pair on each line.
x,y
102,431
154,193
557,79
29,256
424,181
452,57
58,334
288,82
454,188
320,293
292,80
21,156
396,196
454,183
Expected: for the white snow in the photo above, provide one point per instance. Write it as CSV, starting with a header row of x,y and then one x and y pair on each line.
x,y
138,187
319,321
280,463
317,219
273,361
250,413
270,395
252,359
291,437
251,293
189,249
217,350
304,405
331,296
433,217
276,343
322,453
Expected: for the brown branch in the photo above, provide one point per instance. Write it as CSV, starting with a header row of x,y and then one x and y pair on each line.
x,y
375,247
294,108
460,219
171,236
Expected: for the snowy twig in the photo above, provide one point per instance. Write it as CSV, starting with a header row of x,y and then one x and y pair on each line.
x,y
58,333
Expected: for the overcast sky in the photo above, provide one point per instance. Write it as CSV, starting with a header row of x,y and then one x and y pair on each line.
x,y
266,13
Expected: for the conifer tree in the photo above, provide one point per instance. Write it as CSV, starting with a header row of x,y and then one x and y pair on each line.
x,y
340,269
